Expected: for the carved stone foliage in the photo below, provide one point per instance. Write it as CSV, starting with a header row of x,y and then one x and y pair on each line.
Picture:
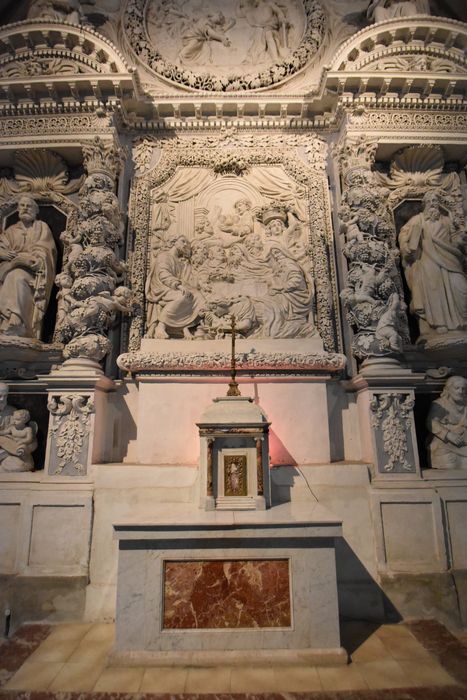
x,y
373,297
248,247
392,421
252,43
69,433
90,294
447,425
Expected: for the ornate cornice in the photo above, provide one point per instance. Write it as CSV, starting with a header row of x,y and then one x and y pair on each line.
x,y
418,34
46,63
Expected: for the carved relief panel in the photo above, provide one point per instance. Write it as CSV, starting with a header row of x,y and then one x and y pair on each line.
x,y
233,45
222,232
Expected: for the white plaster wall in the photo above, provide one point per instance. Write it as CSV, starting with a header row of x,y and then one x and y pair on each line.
x,y
169,409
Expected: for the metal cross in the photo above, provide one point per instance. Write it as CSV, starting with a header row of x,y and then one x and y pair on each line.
x,y
233,385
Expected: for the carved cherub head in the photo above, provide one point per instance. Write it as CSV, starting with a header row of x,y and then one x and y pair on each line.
x,y
242,205
20,418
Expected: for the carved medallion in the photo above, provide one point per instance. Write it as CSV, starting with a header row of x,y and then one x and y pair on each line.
x,y
236,45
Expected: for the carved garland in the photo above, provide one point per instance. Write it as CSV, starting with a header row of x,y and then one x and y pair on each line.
x,y
70,429
316,25
200,154
392,415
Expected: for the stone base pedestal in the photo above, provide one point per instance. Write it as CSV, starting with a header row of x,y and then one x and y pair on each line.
x,y
229,582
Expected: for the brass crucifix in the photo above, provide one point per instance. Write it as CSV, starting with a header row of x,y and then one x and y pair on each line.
x,y
233,385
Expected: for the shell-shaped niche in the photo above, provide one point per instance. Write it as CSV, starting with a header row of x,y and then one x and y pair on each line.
x,y
418,159
41,169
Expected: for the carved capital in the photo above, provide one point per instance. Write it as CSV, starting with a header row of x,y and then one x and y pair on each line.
x,y
102,157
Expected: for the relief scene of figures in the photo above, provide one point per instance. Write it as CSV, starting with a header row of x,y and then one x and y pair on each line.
x,y
236,258
198,34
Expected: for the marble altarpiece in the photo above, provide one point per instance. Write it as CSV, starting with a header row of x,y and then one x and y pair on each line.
x,y
301,167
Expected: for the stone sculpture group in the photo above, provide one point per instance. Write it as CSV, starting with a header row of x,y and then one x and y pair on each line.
x,y
262,277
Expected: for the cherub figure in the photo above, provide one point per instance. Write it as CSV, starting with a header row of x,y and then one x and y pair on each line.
x,y
17,442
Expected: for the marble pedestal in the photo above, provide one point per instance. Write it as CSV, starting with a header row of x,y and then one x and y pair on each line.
x,y
217,585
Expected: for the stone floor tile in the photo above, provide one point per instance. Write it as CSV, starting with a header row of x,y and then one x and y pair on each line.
x,y
383,674
164,680
101,632
405,648
208,680
296,679
253,680
119,680
421,672
77,677
87,652
34,675
372,649
449,651
54,650
394,632
342,678
70,631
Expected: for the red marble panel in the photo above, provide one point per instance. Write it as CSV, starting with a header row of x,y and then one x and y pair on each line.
x,y
226,594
